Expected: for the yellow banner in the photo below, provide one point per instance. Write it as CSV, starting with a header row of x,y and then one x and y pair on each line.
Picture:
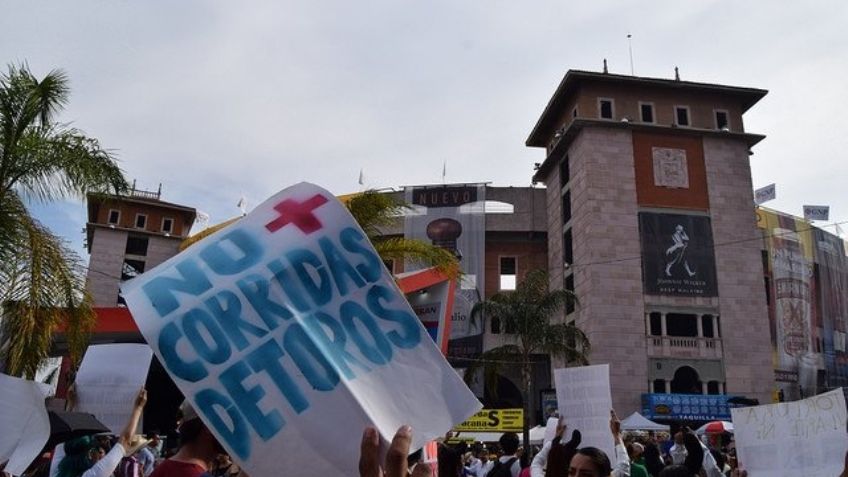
x,y
494,420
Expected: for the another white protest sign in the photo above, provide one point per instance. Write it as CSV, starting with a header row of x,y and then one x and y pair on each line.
x,y
108,381
24,422
584,400
289,336
789,439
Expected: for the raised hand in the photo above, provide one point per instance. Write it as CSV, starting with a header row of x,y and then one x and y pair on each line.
x,y
395,464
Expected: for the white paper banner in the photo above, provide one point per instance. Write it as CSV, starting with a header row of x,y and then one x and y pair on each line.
x,y
289,336
108,381
799,438
24,422
585,401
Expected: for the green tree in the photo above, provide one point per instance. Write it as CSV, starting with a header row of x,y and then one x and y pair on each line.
x,y
374,211
527,313
42,286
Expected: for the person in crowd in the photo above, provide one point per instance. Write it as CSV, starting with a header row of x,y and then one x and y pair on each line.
x,y
508,464
678,450
554,456
197,451
144,456
155,444
395,463
653,459
223,467
77,461
635,451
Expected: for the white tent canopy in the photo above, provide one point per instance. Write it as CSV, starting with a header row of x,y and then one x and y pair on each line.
x,y
638,422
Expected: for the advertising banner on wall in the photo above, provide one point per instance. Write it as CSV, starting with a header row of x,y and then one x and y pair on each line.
x,y
453,217
677,255
831,278
790,251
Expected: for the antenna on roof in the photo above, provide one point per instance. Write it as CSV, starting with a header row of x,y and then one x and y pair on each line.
x,y
630,47
605,66
676,74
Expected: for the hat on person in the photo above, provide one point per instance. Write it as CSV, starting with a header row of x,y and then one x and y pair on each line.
x,y
136,443
187,412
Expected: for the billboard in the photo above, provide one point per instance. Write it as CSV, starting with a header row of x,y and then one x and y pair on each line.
x,y
686,407
677,254
453,217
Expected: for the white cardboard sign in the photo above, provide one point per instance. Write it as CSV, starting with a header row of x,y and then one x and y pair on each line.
x,y
289,336
799,438
109,379
24,420
584,400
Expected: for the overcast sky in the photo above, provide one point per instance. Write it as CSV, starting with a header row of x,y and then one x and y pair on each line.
x,y
216,100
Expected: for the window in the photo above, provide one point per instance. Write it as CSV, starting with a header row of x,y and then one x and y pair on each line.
x,y
721,120
508,275
656,324
566,207
167,225
574,112
713,387
707,326
390,265
569,286
681,115
564,172
136,245
114,216
496,325
140,221
567,250
659,386
131,269
682,324
646,110
605,108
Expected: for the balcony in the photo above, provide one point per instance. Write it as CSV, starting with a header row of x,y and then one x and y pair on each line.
x,y
684,347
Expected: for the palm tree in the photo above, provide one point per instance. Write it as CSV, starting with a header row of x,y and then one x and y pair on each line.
x,y
374,210
528,312
42,286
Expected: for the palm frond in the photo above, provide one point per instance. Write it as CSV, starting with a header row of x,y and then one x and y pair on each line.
x,y
373,210
418,252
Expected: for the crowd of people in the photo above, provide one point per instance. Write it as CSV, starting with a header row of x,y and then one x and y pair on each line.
x,y
199,454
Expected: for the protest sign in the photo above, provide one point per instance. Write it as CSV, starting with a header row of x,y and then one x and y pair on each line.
x,y
585,401
24,421
799,438
108,381
289,336
551,428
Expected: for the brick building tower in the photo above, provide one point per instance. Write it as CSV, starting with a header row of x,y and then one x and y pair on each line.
x,y
651,222
129,234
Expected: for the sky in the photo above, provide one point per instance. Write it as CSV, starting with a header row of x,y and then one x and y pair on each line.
x,y
218,100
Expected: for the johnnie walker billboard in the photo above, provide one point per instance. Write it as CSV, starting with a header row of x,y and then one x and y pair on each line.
x,y
677,255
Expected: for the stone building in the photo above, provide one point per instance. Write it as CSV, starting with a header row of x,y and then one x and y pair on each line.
x,y
651,222
130,234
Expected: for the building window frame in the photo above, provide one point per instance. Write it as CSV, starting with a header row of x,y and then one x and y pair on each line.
x,y
726,113
688,110
144,221
508,285
653,112
170,229
117,220
574,112
601,108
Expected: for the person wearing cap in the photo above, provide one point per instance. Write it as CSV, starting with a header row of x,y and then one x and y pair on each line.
x,y
198,448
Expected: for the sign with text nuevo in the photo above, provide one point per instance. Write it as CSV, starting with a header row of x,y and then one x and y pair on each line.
x,y
289,336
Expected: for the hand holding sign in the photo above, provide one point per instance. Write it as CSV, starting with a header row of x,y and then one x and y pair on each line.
x,y
395,464
286,333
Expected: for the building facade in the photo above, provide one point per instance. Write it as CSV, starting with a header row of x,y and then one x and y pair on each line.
x,y
129,234
651,223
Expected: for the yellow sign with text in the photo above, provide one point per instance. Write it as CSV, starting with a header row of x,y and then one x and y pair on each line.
x,y
494,420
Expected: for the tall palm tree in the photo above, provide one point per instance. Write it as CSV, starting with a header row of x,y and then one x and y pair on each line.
x,y
374,211
526,313
42,286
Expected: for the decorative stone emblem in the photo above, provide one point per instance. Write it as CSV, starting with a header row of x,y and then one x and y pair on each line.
x,y
670,168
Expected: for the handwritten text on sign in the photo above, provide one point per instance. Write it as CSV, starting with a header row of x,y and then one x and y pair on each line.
x,y
262,321
804,437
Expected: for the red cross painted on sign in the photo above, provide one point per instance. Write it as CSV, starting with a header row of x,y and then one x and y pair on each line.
x,y
298,213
